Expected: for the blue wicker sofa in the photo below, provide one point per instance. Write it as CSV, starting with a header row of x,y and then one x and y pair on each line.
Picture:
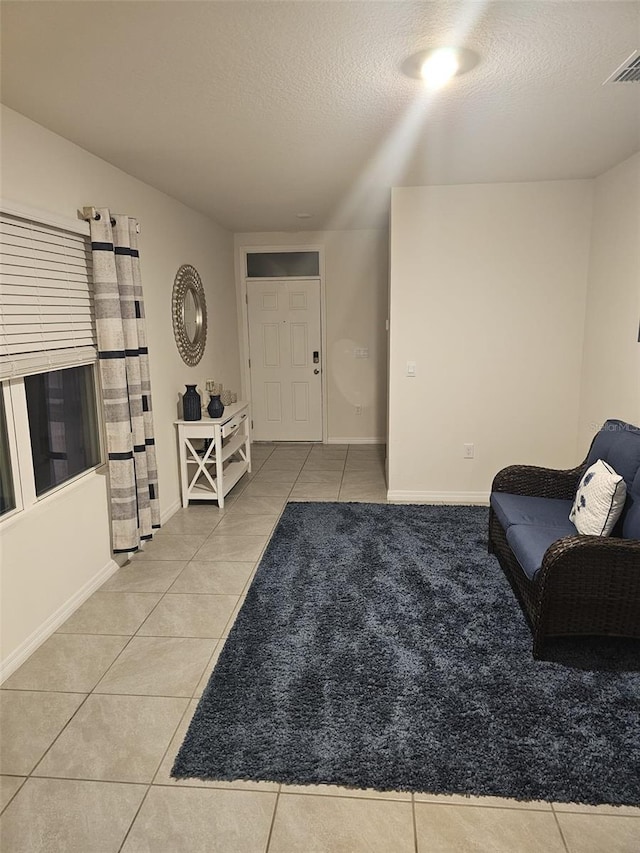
x,y
568,583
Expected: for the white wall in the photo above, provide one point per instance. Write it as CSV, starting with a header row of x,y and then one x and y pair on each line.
x,y
488,289
50,554
356,279
611,363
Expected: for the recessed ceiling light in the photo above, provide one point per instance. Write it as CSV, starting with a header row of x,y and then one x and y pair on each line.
x,y
304,215
438,65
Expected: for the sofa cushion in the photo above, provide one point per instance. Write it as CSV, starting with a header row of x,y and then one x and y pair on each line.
x,y
599,501
524,509
530,541
618,443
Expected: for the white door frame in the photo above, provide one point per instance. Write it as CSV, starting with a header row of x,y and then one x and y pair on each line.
x,y
244,315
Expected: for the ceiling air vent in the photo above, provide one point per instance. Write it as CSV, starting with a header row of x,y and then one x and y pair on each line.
x,y
628,72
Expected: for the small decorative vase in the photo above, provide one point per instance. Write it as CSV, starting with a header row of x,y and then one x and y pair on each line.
x,y
226,398
191,404
215,407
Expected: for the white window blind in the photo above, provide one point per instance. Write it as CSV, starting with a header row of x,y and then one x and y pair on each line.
x,y
46,298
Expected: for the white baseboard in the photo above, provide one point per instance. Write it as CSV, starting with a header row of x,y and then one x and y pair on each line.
x,y
49,626
474,498
356,440
166,515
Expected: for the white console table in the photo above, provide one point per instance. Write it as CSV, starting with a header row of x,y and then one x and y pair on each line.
x,y
214,454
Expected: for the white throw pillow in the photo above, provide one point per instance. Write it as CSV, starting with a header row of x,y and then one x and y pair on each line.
x,y
599,500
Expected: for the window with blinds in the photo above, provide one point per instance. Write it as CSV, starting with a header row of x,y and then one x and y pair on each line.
x,y
46,298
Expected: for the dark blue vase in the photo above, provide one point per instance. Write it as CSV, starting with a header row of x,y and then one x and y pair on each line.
x,y
215,407
191,404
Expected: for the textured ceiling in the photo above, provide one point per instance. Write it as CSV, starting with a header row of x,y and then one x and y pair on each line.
x,y
254,111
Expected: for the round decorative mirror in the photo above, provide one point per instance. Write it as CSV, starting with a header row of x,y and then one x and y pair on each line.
x,y
189,310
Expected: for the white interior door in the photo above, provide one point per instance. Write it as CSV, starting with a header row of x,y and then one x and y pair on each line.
x,y
284,349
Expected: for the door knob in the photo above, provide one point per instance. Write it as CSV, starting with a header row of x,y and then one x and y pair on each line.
x,y
316,370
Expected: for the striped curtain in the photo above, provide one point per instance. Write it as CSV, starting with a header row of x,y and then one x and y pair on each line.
x,y
124,373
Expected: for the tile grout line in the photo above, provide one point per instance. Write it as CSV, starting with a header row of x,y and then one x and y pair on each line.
x,y
474,805
175,731
166,592
128,637
56,738
40,690
359,797
15,793
151,695
564,840
86,779
135,817
415,824
195,689
223,785
273,819
346,456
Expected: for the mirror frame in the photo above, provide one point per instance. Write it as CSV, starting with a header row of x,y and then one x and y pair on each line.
x,y
187,280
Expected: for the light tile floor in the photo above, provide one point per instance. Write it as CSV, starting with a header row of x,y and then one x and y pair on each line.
x,y
90,724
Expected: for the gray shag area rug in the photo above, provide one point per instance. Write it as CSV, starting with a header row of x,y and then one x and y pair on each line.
x,y
381,646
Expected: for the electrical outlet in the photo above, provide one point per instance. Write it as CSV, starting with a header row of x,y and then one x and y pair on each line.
x,y
358,410
468,451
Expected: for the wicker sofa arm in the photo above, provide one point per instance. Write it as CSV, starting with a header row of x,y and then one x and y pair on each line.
x,y
600,575
538,482
597,552
588,585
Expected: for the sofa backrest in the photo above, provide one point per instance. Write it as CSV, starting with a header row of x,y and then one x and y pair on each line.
x,y
618,444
